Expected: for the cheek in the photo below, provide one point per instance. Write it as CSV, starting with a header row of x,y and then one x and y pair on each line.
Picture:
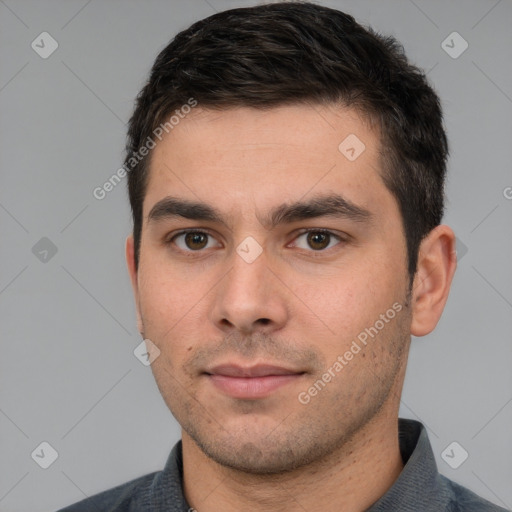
x,y
172,308
166,293
347,301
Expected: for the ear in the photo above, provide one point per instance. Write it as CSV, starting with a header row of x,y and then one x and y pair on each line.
x,y
437,261
132,270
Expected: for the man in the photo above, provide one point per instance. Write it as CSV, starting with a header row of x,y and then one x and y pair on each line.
x,y
286,170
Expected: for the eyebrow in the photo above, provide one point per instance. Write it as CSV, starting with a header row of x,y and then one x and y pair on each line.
x,y
331,205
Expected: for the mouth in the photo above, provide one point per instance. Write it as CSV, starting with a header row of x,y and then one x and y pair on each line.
x,y
251,382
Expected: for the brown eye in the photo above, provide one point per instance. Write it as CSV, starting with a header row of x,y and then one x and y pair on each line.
x,y
318,240
196,240
193,241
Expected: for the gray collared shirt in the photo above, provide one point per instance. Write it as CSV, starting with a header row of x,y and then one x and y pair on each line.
x,y
419,488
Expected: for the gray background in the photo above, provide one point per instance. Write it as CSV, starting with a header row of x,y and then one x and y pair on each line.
x,y
68,373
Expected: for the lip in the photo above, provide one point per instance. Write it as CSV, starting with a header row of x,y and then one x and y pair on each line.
x,y
259,370
251,382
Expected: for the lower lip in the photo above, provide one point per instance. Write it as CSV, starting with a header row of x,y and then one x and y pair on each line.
x,y
251,387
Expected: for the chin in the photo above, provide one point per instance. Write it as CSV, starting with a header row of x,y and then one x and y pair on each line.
x,y
264,456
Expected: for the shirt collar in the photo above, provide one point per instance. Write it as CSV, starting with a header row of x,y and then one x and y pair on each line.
x,y
419,485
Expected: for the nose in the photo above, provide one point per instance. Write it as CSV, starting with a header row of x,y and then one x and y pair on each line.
x,y
250,298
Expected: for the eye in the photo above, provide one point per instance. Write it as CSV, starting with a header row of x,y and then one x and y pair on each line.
x,y
191,241
318,240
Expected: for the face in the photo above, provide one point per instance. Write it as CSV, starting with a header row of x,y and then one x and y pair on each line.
x,y
272,278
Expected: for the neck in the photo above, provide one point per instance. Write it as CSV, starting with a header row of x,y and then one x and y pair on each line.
x,y
351,479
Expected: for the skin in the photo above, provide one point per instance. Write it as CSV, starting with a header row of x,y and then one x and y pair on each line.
x,y
298,304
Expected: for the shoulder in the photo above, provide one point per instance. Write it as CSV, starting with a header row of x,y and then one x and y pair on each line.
x,y
126,497
153,492
464,500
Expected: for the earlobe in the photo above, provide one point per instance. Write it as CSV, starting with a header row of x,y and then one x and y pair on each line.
x,y
130,263
437,262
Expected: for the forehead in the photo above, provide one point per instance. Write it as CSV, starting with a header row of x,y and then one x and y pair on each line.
x,y
247,158
306,131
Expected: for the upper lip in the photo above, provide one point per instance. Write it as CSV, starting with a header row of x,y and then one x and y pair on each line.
x,y
260,370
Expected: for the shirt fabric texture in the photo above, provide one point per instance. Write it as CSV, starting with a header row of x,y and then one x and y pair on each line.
x,y
419,487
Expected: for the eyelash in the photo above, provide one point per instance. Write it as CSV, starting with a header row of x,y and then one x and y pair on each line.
x,y
191,253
